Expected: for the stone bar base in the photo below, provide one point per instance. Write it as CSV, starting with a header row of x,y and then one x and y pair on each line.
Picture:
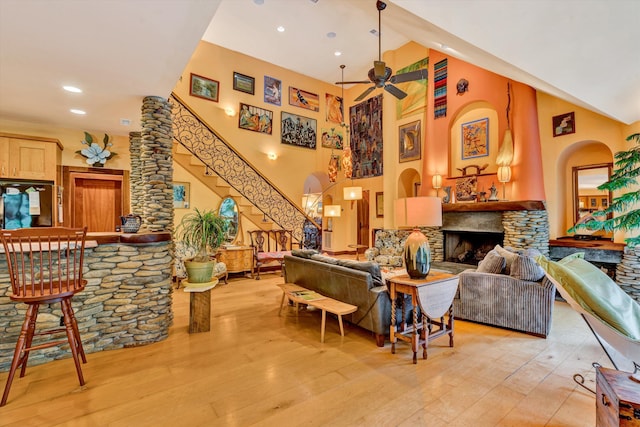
x,y
628,272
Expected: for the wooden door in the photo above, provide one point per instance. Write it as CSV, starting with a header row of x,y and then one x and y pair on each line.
x,y
363,219
97,201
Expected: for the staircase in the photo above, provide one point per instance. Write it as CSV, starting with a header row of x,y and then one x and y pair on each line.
x,y
204,153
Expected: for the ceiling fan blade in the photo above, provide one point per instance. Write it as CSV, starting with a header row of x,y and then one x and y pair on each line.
x,y
354,82
379,68
410,76
364,94
395,91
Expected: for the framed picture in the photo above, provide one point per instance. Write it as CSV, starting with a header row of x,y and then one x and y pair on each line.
x,y
335,108
593,202
410,142
204,88
379,204
255,118
303,99
605,202
332,138
244,83
475,139
272,90
298,130
181,195
564,124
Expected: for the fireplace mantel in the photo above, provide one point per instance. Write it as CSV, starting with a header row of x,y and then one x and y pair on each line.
x,y
523,205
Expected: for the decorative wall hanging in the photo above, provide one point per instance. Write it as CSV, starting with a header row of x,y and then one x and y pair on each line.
x,y
347,164
272,90
204,88
96,156
475,139
335,111
380,204
564,124
255,119
462,86
440,89
298,130
466,188
303,99
416,90
181,194
332,138
410,142
242,83
366,138
334,166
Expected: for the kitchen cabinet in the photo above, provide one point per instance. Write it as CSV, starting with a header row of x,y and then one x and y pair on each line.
x,y
29,157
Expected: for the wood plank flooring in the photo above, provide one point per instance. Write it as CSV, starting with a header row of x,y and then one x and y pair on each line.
x,y
255,368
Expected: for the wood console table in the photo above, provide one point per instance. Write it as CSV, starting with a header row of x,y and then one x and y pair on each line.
x,y
237,259
434,294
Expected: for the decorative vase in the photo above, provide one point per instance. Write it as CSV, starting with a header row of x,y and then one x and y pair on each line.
x,y
417,255
447,194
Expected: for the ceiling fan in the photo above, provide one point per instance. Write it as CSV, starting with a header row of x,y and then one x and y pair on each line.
x,y
380,74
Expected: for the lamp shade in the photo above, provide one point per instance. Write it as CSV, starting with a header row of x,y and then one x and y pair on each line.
x,y
504,173
415,212
352,193
436,181
332,211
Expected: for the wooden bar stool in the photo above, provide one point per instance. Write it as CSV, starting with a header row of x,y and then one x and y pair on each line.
x,y
45,267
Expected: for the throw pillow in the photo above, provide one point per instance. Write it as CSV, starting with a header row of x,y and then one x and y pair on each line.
x,y
304,253
366,266
324,258
571,257
493,262
508,256
526,268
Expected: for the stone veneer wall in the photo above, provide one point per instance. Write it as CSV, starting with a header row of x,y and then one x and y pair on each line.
x,y
628,272
526,229
135,177
126,303
157,164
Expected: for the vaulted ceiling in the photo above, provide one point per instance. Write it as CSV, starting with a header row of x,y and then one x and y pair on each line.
x,y
119,51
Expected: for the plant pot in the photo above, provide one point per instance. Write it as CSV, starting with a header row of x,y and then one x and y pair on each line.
x,y
199,272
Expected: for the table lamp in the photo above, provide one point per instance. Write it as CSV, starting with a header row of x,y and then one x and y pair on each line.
x,y
415,212
331,211
504,176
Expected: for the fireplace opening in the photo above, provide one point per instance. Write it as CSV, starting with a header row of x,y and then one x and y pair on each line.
x,y
469,247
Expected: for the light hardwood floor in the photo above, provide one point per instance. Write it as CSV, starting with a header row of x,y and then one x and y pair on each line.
x,y
256,368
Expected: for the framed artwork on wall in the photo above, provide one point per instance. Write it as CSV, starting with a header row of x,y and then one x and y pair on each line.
x,y
272,90
379,204
303,99
204,88
298,130
335,111
181,195
475,139
242,83
564,124
410,142
332,138
255,119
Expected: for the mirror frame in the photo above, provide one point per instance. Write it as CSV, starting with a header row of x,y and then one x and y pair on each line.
x,y
237,213
576,191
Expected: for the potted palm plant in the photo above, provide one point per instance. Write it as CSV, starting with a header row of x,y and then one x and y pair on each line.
x,y
205,231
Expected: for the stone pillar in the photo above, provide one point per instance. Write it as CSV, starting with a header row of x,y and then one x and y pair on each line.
x,y
628,272
156,163
526,229
135,178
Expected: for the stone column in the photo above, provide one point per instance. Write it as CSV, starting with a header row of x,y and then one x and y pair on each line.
x,y
526,229
135,178
628,272
156,164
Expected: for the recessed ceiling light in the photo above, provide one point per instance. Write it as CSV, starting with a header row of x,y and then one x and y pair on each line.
x,y
331,35
79,112
258,1
337,53
374,32
72,89
280,29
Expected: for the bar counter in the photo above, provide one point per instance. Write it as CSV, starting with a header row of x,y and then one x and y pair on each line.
x,y
126,303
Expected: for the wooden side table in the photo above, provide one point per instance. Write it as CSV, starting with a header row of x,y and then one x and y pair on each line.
x,y
199,305
237,259
434,295
617,399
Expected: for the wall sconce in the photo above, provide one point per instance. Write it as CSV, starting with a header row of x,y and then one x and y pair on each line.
x,y
331,211
230,111
504,176
272,156
436,181
352,193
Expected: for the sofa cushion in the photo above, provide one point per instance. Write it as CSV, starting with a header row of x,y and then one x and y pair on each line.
x,y
526,268
508,255
304,253
596,293
493,262
324,258
366,266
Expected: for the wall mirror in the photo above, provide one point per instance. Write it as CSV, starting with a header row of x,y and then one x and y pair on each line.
x,y
587,199
229,210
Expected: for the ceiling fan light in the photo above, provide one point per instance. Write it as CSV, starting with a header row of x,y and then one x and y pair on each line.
x,y
379,68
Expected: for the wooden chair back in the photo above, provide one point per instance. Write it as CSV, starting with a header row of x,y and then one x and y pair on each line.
x,y
45,264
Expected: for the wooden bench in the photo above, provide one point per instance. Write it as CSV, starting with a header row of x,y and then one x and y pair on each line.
x,y
269,246
325,304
